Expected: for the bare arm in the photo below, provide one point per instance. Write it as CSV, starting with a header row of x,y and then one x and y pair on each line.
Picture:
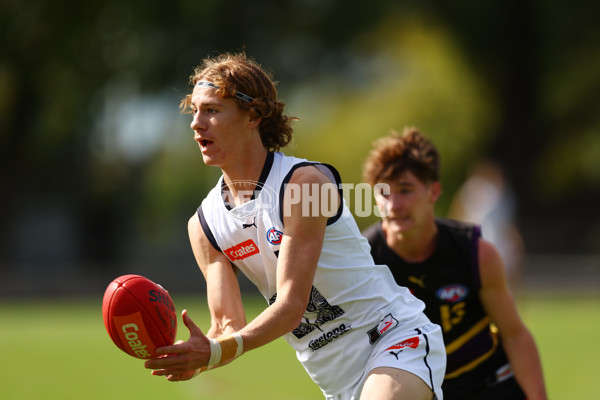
x,y
517,341
299,253
226,309
298,256
222,287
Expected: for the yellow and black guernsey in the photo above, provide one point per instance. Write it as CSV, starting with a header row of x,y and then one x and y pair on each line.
x,y
448,282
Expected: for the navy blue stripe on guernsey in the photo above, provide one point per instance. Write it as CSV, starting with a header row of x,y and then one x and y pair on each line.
x,y
425,358
338,182
264,174
207,230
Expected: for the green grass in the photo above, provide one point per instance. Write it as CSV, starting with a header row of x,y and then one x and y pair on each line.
x,y
566,329
57,349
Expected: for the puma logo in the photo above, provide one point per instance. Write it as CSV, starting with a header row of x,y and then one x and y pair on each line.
x,y
419,281
244,226
413,343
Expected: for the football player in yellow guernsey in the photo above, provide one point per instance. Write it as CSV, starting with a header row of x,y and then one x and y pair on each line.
x,y
458,275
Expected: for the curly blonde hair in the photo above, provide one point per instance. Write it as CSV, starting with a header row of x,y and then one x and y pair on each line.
x,y
235,72
395,154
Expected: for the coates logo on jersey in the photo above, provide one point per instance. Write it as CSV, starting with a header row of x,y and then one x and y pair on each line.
x,y
242,250
274,236
452,293
413,343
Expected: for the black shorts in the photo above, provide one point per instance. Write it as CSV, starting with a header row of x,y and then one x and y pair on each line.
x,y
505,390
483,383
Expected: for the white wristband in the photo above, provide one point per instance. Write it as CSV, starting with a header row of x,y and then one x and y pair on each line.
x,y
240,343
215,352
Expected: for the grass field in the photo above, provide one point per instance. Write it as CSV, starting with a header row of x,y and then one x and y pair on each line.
x,y
59,349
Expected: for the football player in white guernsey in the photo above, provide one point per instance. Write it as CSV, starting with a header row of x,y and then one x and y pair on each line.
x,y
283,223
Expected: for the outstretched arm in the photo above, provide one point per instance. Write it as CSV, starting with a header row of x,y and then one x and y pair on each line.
x,y
226,310
222,288
517,341
299,253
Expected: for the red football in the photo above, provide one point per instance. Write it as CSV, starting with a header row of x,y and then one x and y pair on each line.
x,y
139,315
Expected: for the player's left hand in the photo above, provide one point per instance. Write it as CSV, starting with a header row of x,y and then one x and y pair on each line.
x,y
182,360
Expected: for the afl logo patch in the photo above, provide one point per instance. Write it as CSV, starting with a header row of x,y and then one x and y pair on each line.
x,y
274,236
452,293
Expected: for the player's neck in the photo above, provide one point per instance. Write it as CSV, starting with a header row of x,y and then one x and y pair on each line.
x,y
241,178
417,245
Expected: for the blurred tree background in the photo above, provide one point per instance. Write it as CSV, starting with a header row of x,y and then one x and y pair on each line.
x,y
99,172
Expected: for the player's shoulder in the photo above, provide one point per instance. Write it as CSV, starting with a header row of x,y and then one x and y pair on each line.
x,y
458,228
488,253
195,229
194,222
308,174
454,224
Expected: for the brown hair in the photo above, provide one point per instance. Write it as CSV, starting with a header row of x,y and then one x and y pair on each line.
x,y
395,154
237,73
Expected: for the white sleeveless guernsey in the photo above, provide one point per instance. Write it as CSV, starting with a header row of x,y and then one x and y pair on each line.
x,y
353,301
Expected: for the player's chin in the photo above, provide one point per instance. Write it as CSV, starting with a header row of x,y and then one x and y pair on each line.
x,y
402,225
395,226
